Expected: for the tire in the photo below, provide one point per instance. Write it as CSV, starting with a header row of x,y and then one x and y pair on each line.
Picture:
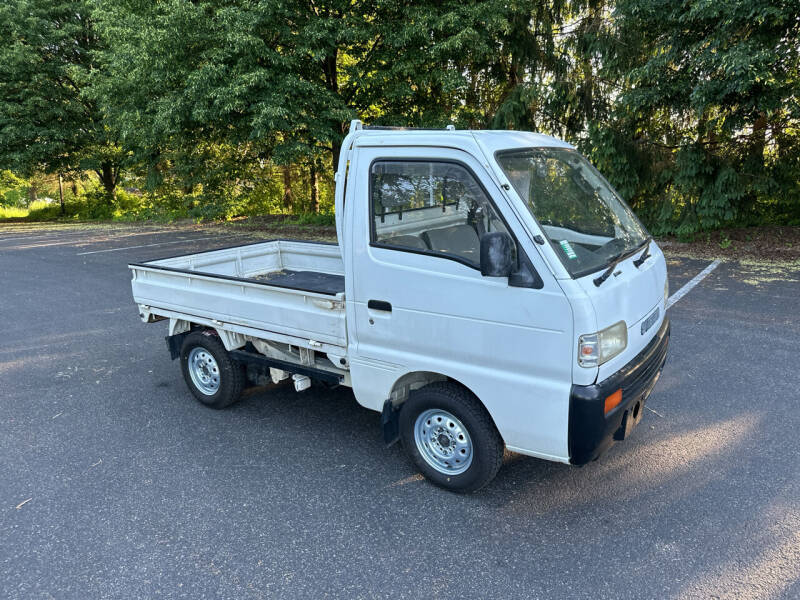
x,y
212,377
450,436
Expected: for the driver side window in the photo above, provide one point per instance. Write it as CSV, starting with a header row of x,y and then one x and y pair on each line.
x,y
431,207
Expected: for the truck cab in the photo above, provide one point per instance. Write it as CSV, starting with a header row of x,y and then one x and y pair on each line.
x,y
542,341
497,294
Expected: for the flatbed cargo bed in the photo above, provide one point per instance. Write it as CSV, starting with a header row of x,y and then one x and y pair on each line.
x,y
310,281
289,287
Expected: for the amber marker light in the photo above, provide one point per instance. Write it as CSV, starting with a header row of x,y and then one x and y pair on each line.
x,y
613,401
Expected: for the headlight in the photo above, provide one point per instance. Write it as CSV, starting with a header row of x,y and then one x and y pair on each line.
x,y
666,289
596,348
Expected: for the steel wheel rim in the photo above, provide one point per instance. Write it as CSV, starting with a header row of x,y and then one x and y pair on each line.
x,y
204,371
443,441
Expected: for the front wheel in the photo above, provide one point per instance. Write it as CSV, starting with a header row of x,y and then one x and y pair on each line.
x,y
212,376
451,437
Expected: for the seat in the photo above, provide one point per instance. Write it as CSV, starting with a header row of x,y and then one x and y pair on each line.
x,y
407,241
461,240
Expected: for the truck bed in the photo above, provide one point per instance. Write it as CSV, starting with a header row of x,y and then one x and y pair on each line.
x,y
309,281
287,287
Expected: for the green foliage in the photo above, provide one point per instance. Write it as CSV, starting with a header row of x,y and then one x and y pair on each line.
x,y
707,109
216,109
95,205
49,119
13,189
12,212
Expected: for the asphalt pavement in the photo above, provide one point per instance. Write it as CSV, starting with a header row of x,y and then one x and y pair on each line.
x,y
115,483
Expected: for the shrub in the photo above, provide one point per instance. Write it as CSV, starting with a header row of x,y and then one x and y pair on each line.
x,y
13,190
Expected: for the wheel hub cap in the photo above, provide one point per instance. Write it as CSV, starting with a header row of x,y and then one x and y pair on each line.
x,y
443,441
204,371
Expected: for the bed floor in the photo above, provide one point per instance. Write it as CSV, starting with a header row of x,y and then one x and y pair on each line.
x,y
310,281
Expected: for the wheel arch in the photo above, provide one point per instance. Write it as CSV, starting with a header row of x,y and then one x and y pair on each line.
x,y
402,387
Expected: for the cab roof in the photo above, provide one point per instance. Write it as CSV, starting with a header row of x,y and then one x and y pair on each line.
x,y
490,140
494,140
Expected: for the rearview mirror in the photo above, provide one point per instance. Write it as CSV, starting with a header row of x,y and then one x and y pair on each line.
x,y
497,254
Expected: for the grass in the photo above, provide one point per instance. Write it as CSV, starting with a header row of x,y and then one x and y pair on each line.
x,y
126,208
31,211
321,219
12,212
95,205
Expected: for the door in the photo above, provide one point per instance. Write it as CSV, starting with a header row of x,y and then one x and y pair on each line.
x,y
417,300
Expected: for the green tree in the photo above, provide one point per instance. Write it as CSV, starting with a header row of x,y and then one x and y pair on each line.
x,y
49,120
13,189
707,118
283,77
690,107
257,74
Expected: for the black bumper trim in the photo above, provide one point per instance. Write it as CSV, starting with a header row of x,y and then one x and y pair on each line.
x,y
591,432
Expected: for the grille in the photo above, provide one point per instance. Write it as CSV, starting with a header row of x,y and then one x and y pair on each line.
x,y
639,380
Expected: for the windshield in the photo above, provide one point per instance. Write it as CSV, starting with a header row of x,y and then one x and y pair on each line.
x,y
585,220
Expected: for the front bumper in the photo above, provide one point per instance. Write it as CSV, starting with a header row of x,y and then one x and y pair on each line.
x,y
591,432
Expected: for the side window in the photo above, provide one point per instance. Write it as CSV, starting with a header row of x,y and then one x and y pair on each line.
x,y
430,207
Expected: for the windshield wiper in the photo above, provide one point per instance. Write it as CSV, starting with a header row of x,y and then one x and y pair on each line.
x,y
598,281
645,255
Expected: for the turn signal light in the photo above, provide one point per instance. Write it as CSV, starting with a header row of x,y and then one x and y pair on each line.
x,y
613,401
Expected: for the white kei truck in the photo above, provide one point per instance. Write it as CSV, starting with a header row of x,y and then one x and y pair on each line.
x,y
489,290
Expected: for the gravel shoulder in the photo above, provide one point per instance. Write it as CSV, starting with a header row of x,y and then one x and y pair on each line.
x,y
775,245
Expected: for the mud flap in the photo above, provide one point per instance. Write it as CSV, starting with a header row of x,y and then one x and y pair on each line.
x,y
174,343
390,423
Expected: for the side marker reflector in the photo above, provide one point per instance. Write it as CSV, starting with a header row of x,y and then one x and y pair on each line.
x,y
613,401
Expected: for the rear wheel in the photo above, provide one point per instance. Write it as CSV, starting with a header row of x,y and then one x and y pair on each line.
x,y
212,376
451,437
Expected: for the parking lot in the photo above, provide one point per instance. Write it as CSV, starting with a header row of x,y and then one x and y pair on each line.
x,y
114,482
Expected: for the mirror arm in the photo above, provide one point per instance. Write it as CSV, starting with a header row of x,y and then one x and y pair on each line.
x,y
525,276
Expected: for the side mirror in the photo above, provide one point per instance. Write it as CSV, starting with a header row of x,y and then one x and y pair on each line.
x,y
497,254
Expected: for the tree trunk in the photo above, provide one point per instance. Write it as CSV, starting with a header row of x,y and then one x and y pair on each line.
x,y
314,186
754,162
61,192
287,188
759,140
108,178
336,148
330,68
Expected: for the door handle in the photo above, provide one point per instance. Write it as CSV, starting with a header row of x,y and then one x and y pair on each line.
x,y
379,305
